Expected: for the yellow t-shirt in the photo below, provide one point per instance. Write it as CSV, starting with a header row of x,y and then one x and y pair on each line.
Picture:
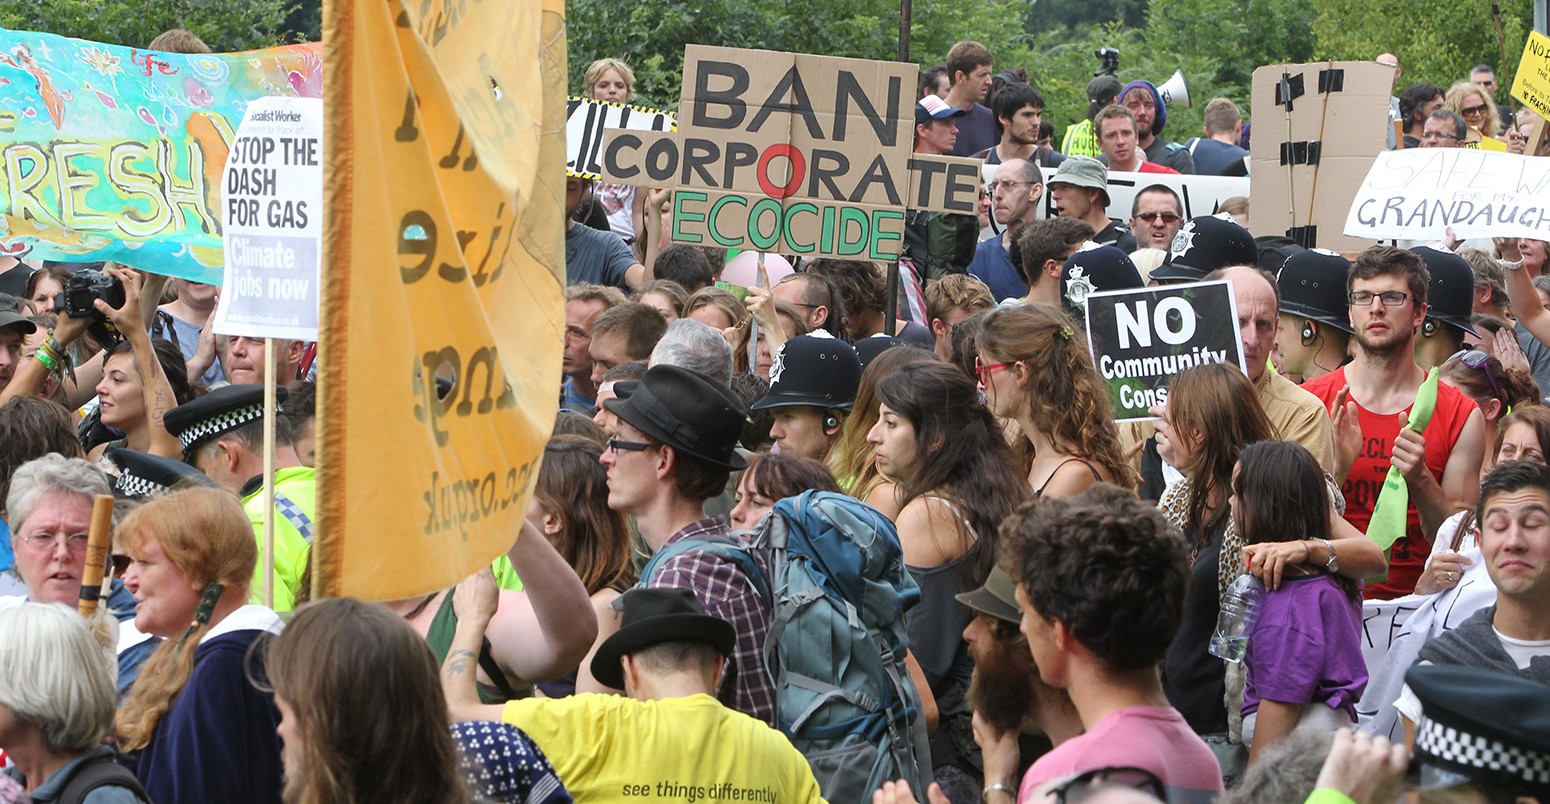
x,y
612,748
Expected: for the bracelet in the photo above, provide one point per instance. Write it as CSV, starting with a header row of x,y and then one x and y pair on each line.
x,y
998,787
48,362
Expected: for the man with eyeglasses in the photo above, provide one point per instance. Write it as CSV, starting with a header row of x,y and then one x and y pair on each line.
x,y
1155,216
673,448
1370,399
1444,128
1015,190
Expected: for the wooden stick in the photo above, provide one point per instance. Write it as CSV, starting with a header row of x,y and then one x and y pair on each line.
x,y
269,417
97,541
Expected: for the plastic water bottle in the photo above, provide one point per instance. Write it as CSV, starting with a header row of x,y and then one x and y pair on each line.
x,y
1240,609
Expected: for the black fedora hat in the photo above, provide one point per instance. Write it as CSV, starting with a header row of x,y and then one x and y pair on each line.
x,y
653,616
1450,295
1313,286
686,411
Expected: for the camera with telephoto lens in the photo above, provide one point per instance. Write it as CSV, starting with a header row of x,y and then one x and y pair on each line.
x,y
86,287
1110,59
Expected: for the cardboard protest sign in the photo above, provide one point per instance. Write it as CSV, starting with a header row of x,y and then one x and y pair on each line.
x,y
1418,193
1201,195
1531,84
1317,128
272,211
444,229
1141,338
586,120
115,153
793,153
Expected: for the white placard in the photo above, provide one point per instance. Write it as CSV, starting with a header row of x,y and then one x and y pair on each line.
x,y
1417,193
272,212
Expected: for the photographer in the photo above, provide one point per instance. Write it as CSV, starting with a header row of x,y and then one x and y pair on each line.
x,y
131,381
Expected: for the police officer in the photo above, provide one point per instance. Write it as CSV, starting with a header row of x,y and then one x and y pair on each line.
x,y
1314,331
813,383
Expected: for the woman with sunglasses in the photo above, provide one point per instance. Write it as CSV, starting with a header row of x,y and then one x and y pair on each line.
x,y
1473,103
1498,390
1036,370
955,475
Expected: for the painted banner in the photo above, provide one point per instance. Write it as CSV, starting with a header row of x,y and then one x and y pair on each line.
x,y
272,208
1531,84
1417,193
115,153
1141,338
793,153
1201,195
586,120
444,188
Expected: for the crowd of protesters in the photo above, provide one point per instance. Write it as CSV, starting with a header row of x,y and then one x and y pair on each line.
x,y
1061,579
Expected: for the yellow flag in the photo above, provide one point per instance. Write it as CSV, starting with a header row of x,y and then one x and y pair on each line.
x,y
443,258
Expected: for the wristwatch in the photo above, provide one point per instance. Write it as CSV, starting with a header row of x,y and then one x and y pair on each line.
x,y
1331,566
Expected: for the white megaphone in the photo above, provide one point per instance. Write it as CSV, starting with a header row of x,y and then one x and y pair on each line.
x,y
1174,92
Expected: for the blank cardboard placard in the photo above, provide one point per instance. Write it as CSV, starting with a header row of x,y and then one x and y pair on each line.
x,y
1317,129
792,153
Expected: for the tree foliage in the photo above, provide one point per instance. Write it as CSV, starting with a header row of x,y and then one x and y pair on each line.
x,y
224,25
1436,41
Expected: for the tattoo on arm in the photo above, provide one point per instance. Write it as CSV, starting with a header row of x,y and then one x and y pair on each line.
x,y
457,661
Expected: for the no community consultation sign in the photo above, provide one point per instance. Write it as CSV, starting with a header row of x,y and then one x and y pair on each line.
x,y
1142,338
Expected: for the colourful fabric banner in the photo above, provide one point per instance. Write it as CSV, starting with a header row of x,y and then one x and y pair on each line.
x,y
444,190
115,153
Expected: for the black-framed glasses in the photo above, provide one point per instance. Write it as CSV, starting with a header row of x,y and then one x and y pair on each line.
x,y
616,444
1477,360
1081,787
1167,217
1471,111
1388,298
1438,135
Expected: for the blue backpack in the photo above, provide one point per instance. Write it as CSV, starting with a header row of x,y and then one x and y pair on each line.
x,y
831,571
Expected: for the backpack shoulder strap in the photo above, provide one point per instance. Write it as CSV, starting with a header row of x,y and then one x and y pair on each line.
x,y
100,772
723,547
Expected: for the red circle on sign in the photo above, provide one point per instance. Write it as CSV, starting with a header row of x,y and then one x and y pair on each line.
x,y
798,168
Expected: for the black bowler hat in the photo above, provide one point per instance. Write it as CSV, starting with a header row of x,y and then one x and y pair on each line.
x,y
651,617
1093,269
817,371
144,475
686,411
217,413
1481,725
1450,296
1204,244
1313,285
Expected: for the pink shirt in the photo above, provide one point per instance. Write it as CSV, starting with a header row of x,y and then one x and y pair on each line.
x,y
1153,738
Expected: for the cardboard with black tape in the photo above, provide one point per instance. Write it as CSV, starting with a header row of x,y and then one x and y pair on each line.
x,y
1317,129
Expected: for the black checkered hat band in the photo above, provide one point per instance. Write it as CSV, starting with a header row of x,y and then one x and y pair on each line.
x,y
226,422
1462,749
135,486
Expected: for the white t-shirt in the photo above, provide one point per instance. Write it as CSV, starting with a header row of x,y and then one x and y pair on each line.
x,y
1521,651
